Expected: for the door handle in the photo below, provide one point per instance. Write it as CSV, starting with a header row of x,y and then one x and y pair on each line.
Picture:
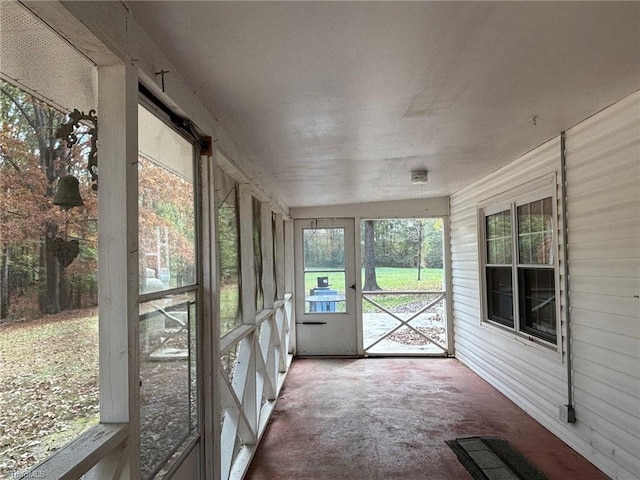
x,y
353,287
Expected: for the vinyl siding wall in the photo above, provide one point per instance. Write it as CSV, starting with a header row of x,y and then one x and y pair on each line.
x,y
603,217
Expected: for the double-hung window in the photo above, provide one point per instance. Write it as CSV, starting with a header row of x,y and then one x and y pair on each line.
x,y
520,266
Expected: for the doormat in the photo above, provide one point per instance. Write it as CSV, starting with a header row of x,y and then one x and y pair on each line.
x,y
493,458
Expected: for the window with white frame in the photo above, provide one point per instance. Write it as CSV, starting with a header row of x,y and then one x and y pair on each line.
x,y
169,291
520,271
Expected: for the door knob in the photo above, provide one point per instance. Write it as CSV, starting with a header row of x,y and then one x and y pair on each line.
x,y
353,287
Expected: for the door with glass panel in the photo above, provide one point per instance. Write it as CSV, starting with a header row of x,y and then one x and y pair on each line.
x,y
325,287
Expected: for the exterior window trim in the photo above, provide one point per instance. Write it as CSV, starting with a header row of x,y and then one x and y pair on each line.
x,y
545,187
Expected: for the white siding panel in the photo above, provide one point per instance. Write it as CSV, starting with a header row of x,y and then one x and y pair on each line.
x,y
603,185
609,264
603,158
609,209
625,347
604,356
614,379
613,249
627,326
624,306
628,228
623,287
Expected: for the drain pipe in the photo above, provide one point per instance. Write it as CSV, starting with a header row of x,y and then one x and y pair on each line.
x,y
567,412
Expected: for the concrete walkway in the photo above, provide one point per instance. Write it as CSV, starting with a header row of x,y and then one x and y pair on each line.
x,y
388,419
375,325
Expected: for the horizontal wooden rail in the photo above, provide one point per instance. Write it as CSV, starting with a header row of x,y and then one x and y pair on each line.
x,y
79,456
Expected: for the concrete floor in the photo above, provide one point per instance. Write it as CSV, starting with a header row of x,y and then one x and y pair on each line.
x,y
388,419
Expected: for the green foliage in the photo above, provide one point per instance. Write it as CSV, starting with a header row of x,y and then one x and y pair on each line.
x,y
166,222
229,255
230,314
228,243
31,161
324,248
405,242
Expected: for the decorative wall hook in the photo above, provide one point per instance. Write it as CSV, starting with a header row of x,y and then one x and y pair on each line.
x,y
162,73
67,131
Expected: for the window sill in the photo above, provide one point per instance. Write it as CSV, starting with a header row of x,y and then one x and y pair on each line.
x,y
536,344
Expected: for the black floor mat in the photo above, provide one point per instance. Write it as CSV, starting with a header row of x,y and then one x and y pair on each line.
x,y
493,458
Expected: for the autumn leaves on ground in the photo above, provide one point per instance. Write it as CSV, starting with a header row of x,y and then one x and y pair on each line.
x,y
48,386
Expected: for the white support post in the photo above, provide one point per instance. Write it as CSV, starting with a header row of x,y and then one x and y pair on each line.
x,y
358,302
289,279
448,286
210,356
282,331
118,253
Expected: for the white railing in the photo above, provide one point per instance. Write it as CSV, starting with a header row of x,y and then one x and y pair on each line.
x,y
263,353
251,383
405,322
99,453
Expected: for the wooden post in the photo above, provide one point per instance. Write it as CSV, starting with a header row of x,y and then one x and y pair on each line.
x,y
210,352
118,253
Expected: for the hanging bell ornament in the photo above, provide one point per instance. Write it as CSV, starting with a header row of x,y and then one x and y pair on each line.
x,y
68,193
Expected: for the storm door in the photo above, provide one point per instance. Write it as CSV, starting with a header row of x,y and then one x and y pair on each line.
x,y
325,287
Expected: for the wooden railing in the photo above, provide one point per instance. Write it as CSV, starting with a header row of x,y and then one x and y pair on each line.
x,y
251,386
97,454
248,392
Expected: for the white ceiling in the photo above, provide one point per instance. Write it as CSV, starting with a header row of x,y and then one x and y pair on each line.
x,y
336,102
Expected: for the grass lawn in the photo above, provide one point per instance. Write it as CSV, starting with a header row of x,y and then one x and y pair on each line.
x,y
48,386
389,278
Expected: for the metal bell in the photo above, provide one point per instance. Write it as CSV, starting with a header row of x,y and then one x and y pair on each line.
x,y
68,193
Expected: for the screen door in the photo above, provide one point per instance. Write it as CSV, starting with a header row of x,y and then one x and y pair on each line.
x,y
325,287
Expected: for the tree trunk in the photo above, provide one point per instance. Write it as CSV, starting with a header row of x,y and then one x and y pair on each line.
x,y
77,302
63,288
370,282
4,284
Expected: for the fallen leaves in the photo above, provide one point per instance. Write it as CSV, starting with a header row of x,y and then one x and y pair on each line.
x,y
48,386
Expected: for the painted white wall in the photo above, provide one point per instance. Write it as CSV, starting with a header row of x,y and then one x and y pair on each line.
x,y
603,207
